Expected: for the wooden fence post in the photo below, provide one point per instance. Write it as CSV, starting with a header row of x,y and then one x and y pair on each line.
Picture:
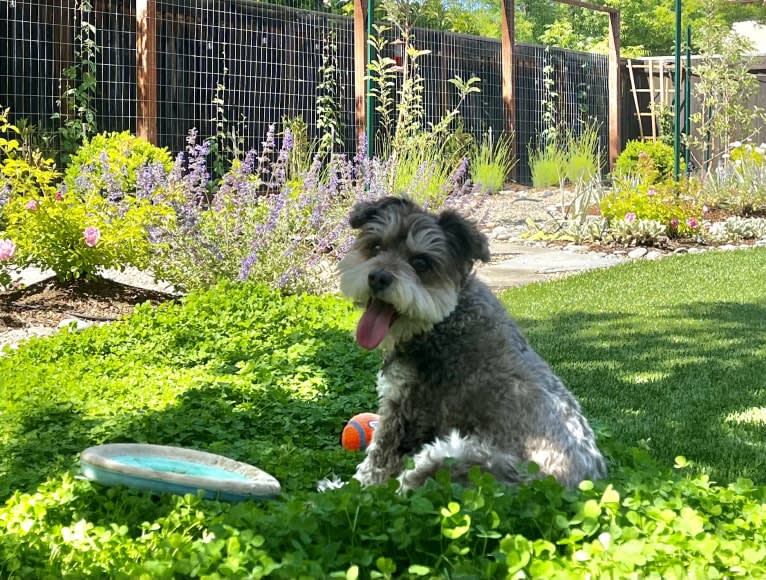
x,y
613,84
508,40
360,67
146,70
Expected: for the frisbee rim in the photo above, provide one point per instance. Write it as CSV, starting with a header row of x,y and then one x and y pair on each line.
x,y
98,464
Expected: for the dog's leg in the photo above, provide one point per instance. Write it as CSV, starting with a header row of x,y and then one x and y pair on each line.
x,y
459,454
383,460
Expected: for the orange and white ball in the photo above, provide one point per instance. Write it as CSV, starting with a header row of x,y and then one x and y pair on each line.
x,y
358,432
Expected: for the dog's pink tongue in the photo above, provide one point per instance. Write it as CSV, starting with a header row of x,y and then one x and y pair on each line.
x,y
374,324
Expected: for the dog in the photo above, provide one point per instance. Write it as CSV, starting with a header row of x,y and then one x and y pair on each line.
x,y
460,386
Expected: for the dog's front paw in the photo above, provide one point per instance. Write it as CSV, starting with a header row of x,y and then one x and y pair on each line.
x,y
367,473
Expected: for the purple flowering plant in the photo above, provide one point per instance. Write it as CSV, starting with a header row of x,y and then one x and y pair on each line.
x,y
267,223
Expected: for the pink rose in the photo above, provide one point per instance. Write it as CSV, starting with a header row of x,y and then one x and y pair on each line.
x,y
31,205
91,236
630,217
652,192
674,223
7,249
59,196
692,223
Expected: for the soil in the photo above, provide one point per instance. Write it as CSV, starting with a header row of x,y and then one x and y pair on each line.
x,y
48,302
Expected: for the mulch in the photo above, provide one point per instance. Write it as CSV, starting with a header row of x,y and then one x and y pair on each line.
x,y
48,302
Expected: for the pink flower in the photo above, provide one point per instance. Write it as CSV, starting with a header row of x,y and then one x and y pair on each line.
x,y
7,249
705,209
91,236
31,205
59,196
630,217
674,223
692,223
652,192
643,155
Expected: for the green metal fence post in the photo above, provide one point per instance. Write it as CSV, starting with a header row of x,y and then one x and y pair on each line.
x,y
677,98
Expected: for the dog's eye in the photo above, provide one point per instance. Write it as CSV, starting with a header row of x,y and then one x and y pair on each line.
x,y
420,264
374,250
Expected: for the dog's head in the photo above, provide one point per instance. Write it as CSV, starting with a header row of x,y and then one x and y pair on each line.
x,y
407,267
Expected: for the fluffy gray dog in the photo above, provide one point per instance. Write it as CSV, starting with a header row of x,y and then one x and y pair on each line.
x,y
460,385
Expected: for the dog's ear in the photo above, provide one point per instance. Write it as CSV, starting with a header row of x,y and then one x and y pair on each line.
x,y
366,211
467,241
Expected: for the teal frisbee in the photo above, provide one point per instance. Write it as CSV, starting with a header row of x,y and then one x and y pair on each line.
x,y
178,470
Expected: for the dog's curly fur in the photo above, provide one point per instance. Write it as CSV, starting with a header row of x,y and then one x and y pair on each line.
x,y
460,385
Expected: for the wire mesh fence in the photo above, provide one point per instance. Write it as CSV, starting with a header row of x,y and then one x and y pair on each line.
x,y
230,68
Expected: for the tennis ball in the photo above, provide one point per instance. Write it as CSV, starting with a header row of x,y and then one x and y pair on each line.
x,y
358,432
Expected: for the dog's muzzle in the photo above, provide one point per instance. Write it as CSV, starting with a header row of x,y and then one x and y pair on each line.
x,y
379,280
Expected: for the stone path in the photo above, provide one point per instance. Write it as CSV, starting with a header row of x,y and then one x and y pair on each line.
x,y
523,264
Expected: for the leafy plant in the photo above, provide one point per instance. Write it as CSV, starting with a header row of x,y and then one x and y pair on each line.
x,y
227,145
548,165
328,108
286,234
737,228
648,161
631,230
583,159
109,164
724,89
77,234
76,106
270,379
675,207
382,71
738,184
491,162
421,173
551,134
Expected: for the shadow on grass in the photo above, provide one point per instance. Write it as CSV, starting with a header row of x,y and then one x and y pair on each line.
x,y
690,383
287,422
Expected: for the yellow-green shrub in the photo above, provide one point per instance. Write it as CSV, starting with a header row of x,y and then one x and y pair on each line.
x,y
671,205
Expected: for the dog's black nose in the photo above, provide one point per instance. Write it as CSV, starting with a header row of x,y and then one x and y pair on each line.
x,y
379,280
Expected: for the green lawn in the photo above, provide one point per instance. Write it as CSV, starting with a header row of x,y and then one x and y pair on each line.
x,y
668,359
667,355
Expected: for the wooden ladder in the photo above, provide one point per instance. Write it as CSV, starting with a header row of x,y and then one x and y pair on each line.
x,y
661,92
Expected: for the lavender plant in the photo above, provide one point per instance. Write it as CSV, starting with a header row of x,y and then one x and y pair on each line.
x,y
260,226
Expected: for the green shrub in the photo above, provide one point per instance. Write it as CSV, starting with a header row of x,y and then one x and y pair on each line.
x,y
583,162
650,161
22,175
77,235
548,166
672,206
110,162
491,163
421,171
